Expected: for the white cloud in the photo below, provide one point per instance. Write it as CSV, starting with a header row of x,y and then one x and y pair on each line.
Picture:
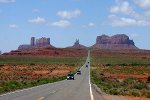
x,y
7,1
69,14
35,10
38,20
123,15
13,26
91,24
123,21
123,7
143,3
61,23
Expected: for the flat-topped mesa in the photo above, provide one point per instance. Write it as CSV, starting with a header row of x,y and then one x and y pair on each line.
x,y
119,41
104,39
77,45
37,43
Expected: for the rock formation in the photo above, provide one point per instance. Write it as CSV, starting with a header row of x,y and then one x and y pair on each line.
x,y
24,47
77,45
119,41
39,43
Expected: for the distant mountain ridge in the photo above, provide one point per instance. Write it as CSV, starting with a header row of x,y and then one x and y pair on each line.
x,y
113,43
119,41
38,46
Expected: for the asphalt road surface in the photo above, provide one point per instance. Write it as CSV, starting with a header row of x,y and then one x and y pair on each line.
x,y
78,89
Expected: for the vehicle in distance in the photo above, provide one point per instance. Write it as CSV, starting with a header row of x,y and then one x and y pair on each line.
x,y
70,77
86,65
78,72
88,62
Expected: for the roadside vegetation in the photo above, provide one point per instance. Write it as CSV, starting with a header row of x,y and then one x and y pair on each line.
x,y
121,75
24,72
32,60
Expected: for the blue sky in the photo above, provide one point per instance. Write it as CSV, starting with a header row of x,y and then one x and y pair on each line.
x,y
64,21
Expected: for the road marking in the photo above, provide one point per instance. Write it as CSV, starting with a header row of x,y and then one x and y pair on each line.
x,y
40,98
91,94
92,97
52,92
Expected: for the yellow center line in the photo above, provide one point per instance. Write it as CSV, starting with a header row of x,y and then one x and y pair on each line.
x,y
40,98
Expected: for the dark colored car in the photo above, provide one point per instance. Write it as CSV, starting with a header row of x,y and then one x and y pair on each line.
x,y
78,72
88,62
86,65
70,77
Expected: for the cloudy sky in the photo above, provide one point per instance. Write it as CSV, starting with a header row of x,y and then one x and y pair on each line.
x,y
64,21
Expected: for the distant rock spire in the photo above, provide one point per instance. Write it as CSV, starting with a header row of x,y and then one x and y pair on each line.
x,y
32,42
77,42
78,45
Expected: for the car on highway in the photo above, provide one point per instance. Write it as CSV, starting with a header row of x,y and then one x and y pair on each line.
x,y
88,62
70,77
86,65
78,72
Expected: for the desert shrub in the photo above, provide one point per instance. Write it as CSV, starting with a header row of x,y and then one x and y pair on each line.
x,y
135,93
1,90
102,74
6,89
141,86
123,64
1,65
148,79
24,83
10,86
108,64
148,95
33,83
134,64
129,80
13,84
72,64
32,64
114,91
44,81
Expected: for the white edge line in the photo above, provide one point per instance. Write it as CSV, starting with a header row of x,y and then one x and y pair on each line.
x,y
91,94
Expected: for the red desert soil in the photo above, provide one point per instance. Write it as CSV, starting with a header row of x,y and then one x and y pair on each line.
x,y
41,72
9,72
124,76
137,73
48,52
55,72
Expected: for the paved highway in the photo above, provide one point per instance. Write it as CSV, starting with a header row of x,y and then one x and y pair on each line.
x,y
78,89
